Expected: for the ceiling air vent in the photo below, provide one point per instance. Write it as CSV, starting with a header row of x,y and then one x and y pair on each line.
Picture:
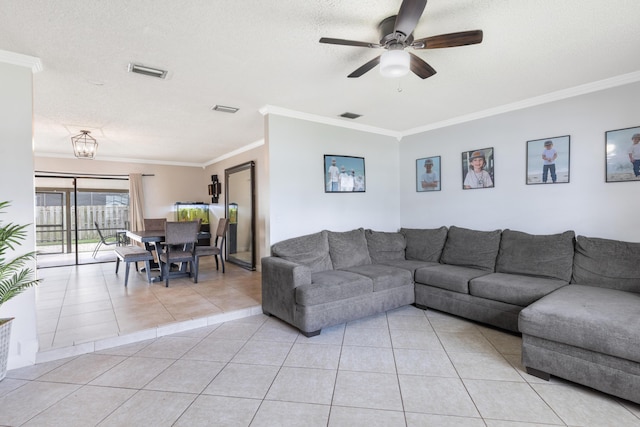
x,y
350,115
147,71
224,109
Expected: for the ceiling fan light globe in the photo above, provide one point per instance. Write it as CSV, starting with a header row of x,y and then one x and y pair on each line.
x,y
394,63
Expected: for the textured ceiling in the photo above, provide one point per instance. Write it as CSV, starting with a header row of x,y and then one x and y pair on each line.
x,y
250,54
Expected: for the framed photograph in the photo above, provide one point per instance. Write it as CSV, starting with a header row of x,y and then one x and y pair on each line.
x,y
428,174
623,154
548,160
343,174
477,169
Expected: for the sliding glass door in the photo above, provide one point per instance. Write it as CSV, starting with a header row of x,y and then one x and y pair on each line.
x,y
67,211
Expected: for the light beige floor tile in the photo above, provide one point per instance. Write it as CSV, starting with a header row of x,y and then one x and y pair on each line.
x,y
333,335
303,385
82,369
415,339
442,322
236,331
367,359
439,396
502,423
214,349
375,321
238,380
367,390
134,372
504,342
220,411
374,337
71,309
186,376
407,310
33,372
409,322
127,349
150,408
86,406
361,417
577,405
22,404
7,385
69,337
314,356
469,342
86,319
289,414
168,347
275,330
263,353
484,366
502,400
423,362
421,420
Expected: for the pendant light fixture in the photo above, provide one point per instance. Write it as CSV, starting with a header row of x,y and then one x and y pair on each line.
x,y
84,145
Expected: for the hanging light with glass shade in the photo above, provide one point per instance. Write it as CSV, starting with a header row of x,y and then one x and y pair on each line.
x,y
84,145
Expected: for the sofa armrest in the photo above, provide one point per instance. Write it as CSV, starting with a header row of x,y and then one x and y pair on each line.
x,y
280,278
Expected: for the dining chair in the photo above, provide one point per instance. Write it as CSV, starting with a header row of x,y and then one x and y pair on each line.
x,y
216,249
179,244
154,223
103,240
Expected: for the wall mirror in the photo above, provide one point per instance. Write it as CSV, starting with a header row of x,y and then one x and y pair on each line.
x,y
240,209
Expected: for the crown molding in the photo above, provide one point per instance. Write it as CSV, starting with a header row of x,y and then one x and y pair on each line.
x,y
233,153
279,111
21,60
532,102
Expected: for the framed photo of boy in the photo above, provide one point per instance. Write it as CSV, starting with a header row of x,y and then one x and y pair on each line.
x,y
477,169
623,154
343,174
548,160
428,174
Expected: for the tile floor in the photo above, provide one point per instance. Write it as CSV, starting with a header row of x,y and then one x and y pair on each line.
x,y
84,304
406,367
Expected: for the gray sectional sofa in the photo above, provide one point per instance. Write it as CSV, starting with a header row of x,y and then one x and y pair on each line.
x,y
576,301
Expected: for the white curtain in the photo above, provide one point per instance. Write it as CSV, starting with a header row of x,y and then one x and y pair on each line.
x,y
136,202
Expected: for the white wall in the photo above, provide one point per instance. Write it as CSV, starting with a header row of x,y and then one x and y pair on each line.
x,y
587,204
16,176
298,203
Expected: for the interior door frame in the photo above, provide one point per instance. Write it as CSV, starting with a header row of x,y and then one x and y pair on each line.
x,y
251,166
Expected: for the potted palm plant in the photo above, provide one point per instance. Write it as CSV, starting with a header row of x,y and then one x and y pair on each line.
x,y
14,278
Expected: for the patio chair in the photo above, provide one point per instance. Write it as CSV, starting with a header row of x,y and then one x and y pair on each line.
x,y
103,240
180,239
215,250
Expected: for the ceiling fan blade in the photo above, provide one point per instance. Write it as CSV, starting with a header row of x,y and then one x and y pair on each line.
x,y
462,38
420,68
409,15
348,42
366,67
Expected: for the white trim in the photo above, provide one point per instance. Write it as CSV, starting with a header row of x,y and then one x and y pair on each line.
x,y
279,111
22,60
532,102
120,159
233,153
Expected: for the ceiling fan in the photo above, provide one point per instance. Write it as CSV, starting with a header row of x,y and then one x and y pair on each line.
x,y
396,34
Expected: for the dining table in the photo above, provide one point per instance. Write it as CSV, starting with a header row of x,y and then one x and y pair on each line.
x,y
152,240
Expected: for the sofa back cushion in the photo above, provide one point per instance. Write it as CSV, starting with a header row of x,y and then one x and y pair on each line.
x,y
311,250
384,247
471,248
424,244
348,248
549,256
607,263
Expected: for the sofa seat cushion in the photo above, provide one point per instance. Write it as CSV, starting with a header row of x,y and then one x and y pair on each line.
x,y
311,250
424,244
410,265
385,246
332,285
536,254
450,277
471,248
603,320
513,288
348,248
607,263
383,276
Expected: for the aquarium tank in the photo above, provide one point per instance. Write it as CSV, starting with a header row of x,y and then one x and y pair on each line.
x,y
192,211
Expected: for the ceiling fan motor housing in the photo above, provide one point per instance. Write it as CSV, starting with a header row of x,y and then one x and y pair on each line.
x,y
388,35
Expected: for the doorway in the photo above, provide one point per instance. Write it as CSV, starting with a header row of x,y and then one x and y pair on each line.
x,y
67,209
240,209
